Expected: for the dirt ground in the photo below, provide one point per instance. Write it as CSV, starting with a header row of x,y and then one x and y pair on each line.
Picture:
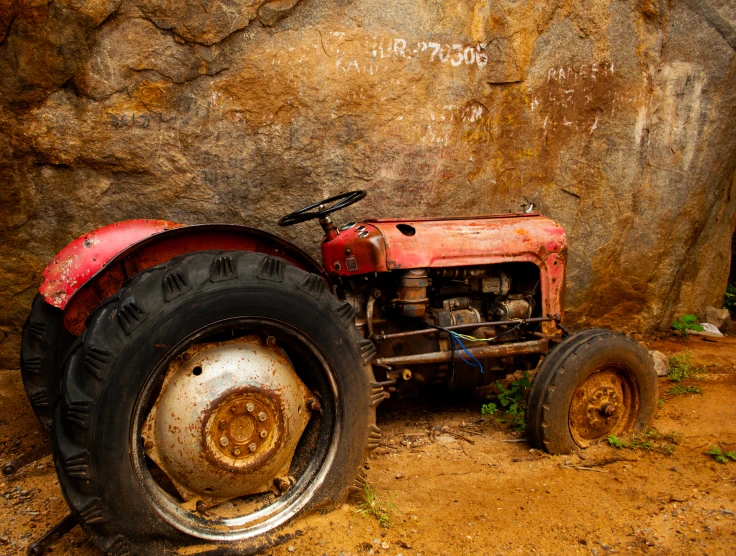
x,y
461,484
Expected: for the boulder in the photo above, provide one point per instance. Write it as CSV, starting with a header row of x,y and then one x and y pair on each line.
x,y
614,118
720,318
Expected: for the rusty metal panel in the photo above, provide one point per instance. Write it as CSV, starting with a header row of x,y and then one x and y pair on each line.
x,y
87,255
95,266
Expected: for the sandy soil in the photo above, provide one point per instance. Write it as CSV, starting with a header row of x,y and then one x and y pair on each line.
x,y
464,485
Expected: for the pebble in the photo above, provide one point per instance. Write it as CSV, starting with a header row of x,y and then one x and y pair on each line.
x,y
385,545
291,548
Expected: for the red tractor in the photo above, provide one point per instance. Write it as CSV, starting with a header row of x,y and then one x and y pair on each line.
x,y
204,385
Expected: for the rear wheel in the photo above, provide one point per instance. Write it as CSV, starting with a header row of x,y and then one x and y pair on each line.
x,y
209,402
43,347
594,385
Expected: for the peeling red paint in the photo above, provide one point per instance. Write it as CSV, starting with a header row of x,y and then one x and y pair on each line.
x,y
87,255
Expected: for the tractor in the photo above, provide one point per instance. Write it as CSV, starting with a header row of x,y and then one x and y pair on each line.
x,y
205,385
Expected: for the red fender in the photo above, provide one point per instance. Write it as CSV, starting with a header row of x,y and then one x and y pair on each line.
x,y
93,267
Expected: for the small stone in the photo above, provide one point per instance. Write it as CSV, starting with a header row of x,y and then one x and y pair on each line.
x,y
385,545
399,475
291,548
661,366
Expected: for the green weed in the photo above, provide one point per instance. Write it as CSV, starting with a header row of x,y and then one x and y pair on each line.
x,y
513,403
682,367
679,390
686,322
730,300
720,456
649,440
373,505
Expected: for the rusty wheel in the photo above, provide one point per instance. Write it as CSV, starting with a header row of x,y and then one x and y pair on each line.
x,y
595,384
606,402
215,399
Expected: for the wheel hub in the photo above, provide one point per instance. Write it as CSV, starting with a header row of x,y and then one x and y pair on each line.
x,y
227,420
605,403
244,429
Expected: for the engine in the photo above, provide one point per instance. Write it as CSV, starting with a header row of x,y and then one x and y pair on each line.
x,y
418,316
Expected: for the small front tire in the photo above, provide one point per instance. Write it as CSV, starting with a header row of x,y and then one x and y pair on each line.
x,y
598,384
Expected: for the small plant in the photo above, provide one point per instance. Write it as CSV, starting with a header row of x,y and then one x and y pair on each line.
x,y
660,402
615,442
720,456
680,389
686,322
730,300
513,403
682,367
648,440
373,505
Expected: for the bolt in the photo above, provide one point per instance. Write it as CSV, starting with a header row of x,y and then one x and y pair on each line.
x,y
252,447
236,451
262,434
224,441
282,484
271,341
608,409
148,444
250,407
314,405
186,356
201,508
261,416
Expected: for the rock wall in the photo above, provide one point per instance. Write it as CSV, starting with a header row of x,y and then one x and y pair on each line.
x,y
614,117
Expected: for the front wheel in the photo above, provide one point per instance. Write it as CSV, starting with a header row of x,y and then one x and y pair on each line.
x,y
209,402
593,385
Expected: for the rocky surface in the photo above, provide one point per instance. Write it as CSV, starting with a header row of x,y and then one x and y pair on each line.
x,y
615,118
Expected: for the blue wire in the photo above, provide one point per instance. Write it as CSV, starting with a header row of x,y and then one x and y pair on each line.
x,y
477,363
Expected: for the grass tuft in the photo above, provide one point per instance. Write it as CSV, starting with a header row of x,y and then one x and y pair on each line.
x,y
373,505
648,440
682,367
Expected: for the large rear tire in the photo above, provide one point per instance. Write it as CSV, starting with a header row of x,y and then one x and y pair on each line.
x,y
595,384
43,347
122,368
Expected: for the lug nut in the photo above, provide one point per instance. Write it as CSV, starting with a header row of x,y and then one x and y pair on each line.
x,y
236,451
224,441
148,444
261,416
281,484
314,405
262,434
252,447
222,424
271,341
186,356
250,407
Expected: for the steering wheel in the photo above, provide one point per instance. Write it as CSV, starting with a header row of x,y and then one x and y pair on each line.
x,y
308,213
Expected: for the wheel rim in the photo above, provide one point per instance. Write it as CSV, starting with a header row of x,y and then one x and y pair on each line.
x,y
605,403
251,515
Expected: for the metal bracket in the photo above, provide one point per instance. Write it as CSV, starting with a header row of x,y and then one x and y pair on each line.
x,y
10,468
37,548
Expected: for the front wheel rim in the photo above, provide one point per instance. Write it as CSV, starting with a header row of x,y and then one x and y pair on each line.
x,y
317,459
606,402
